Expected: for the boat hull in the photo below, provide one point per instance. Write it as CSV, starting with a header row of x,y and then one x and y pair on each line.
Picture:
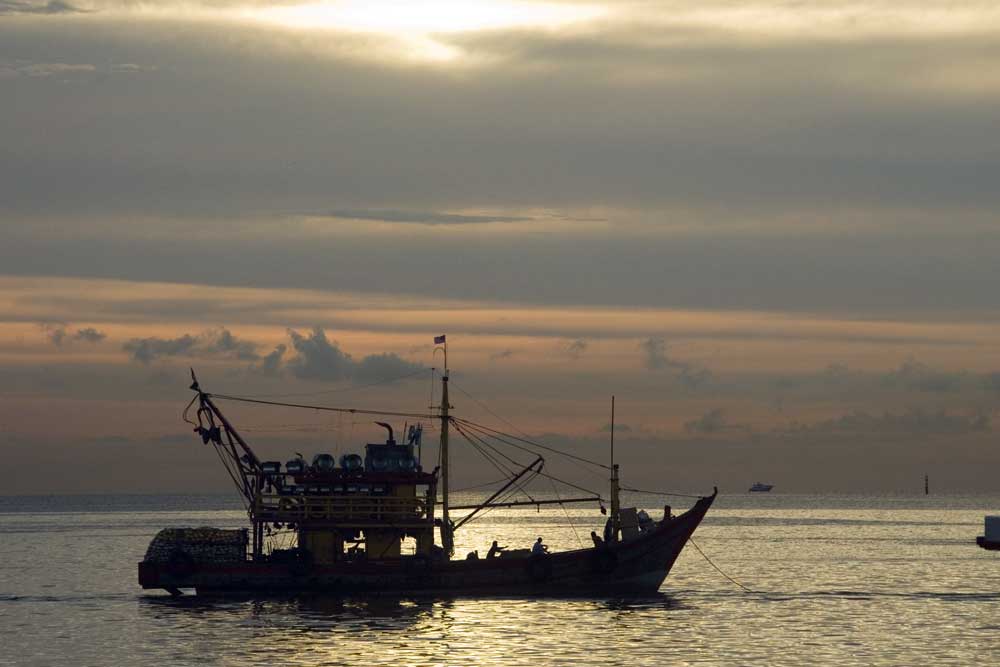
x,y
639,565
991,545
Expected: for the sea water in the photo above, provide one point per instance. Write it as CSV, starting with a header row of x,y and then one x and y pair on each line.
x,y
833,580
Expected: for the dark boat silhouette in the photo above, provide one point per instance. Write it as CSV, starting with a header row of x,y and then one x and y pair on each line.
x,y
349,522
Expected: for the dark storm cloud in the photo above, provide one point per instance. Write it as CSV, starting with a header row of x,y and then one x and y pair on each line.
x,y
28,7
270,364
90,335
56,333
382,367
576,348
916,421
220,343
619,428
916,376
147,350
225,343
59,334
712,422
655,358
320,359
422,217
655,351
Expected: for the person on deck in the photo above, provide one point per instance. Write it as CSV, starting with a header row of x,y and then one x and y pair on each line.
x,y
539,549
598,542
495,550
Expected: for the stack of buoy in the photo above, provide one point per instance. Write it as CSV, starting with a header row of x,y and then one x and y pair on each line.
x,y
202,545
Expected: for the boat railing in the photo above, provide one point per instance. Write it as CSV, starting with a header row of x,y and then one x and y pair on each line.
x,y
353,508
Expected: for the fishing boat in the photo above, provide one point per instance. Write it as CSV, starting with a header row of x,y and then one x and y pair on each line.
x,y
760,487
350,518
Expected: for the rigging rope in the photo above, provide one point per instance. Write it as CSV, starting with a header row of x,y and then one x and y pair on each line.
x,y
525,435
496,464
566,512
661,493
717,568
506,438
353,411
479,486
340,391
541,473
500,435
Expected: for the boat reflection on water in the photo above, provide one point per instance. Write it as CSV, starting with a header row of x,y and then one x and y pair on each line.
x,y
323,629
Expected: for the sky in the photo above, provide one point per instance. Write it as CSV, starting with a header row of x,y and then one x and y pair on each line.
x,y
768,228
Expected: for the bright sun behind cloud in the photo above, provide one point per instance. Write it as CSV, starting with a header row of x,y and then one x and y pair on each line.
x,y
428,16
415,22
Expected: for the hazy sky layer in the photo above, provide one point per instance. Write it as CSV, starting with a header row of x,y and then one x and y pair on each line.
x,y
769,228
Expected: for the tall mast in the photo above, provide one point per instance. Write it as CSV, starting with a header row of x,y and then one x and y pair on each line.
x,y
615,503
446,534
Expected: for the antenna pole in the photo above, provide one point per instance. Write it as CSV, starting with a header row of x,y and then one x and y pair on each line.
x,y
615,501
612,432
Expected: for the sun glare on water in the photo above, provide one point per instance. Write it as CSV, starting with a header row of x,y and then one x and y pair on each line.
x,y
415,22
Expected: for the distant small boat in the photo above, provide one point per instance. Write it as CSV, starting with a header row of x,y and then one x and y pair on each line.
x,y
990,539
760,487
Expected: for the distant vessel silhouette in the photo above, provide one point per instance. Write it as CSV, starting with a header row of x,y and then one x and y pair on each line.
x,y
990,539
760,487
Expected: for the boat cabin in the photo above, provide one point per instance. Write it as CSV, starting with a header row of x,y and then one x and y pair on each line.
x,y
352,509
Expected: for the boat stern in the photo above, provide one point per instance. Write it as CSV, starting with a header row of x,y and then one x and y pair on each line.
x,y
176,554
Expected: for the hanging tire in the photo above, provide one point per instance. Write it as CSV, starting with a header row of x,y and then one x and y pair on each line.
x,y
538,569
603,561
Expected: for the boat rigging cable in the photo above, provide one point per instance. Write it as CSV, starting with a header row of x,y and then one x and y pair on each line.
x,y
717,568
508,423
344,390
228,457
660,493
353,411
506,438
460,423
478,435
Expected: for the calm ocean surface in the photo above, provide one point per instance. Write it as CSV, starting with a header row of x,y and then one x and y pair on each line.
x,y
837,580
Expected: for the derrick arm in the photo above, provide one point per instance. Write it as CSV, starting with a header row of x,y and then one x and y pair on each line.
x,y
513,480
239,459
